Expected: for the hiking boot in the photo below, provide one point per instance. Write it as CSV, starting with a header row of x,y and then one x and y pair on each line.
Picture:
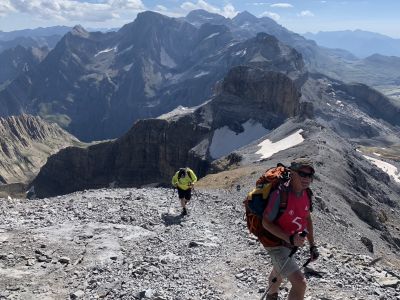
x,y
184,212
272,297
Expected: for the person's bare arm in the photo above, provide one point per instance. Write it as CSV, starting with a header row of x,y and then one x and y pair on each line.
x,y
298,240
310,227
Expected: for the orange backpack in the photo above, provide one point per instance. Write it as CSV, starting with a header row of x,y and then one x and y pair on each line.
x,y
257,200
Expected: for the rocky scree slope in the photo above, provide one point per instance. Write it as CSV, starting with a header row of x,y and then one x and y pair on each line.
x,y
132,244
361,199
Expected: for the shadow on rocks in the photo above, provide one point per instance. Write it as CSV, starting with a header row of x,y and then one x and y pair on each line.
x,y
171,219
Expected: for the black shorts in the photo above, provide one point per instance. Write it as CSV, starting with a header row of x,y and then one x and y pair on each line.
x,y
187,194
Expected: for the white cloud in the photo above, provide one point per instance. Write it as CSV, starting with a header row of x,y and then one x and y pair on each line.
x,y
306,13
271,15
201,4
227,11
5,7
72,10
282,5
161,8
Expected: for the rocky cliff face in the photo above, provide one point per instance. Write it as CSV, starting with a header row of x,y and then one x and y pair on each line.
x,y
336,63
153,149
19,60
354,111
373,103
268,97
25,144
147,68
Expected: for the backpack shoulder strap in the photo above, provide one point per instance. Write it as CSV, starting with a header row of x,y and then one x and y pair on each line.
x,y
280,207
189,173
284,195
310,196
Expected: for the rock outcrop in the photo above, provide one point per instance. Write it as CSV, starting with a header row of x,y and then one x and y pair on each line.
x,y
373,102
19,60
25,144
154,148
96,85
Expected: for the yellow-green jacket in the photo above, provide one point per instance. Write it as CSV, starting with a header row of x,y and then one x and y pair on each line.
x,y
184,183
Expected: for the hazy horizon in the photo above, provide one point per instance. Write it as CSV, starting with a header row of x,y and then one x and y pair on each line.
x,y
296,15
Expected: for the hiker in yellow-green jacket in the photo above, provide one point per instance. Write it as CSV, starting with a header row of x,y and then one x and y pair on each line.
x,y
183,180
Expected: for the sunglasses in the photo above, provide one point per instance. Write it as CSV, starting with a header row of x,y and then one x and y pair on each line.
x,y
305,174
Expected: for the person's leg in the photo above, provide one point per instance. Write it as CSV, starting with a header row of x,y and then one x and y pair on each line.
x,y
299,285
274,290
186,195
181,195
183,203
283,266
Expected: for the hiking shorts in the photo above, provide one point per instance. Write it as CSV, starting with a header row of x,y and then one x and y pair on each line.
x,y
279,255
187,194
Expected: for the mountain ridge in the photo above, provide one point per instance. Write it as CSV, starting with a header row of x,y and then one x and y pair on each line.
x,y
26,143
360,43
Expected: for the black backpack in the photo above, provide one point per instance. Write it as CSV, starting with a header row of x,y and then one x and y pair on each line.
x,y
182,173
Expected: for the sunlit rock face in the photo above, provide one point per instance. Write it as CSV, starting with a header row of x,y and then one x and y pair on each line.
x,y
96,85
152,149
25,144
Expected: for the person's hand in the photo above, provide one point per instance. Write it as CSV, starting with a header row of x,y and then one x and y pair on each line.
x,y
297,239
314,254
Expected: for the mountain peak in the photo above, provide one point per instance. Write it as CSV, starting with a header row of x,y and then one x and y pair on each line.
x,y
150,15
202,13
146,18
245,16
201,16
79,31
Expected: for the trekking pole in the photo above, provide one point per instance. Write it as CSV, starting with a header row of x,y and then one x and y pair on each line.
x,y
302,267
294,250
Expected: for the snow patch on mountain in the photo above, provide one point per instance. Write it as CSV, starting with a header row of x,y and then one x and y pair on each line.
x,y
202,73
269,148
225,140
180,110
241,52
212,35
124,50
386,167
128,67
105,51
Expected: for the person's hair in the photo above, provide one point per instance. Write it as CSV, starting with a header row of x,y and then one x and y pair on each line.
x,y
182,172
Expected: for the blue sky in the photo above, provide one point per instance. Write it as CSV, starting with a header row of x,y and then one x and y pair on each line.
x,y
297,15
